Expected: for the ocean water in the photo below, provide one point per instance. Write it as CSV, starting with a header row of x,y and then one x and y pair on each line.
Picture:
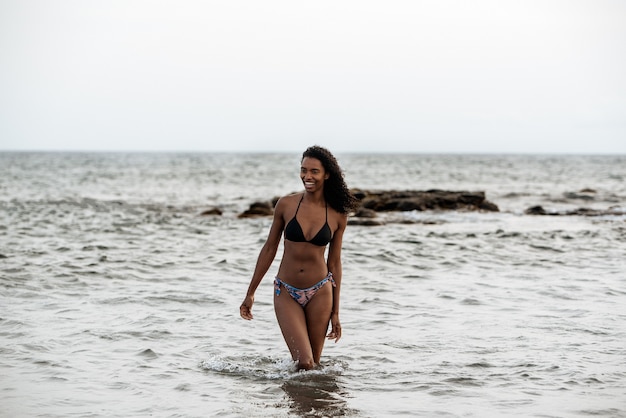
x,y
117,299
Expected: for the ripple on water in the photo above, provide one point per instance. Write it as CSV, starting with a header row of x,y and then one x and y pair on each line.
x,y
265,367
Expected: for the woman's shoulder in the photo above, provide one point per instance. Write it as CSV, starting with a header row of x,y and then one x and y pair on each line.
x,y
292,197
288,200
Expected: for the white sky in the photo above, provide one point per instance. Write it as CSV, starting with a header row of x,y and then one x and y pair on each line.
x,y
541,76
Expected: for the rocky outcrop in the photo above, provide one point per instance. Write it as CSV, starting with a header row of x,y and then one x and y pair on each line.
x,y
373,202
409,200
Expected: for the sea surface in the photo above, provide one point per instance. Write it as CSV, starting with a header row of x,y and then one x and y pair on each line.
x,y
118,299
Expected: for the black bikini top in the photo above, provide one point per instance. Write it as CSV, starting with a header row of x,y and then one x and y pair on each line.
x,y
293,231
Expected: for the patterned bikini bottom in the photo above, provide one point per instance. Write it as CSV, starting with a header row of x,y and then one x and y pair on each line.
x,y
303,296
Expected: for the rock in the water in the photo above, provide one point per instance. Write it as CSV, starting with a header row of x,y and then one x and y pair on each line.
x,y
211,211
536,210
408,200
258,209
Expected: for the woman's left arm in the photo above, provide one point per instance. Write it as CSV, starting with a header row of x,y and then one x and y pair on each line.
x,y
334,266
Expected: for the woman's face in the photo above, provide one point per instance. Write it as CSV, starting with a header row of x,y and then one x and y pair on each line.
x,y
312,174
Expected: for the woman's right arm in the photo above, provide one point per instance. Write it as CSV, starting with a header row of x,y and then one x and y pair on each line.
x,y
265,259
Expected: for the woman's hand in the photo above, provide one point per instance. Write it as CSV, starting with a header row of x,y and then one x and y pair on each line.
x,y
335,332
245,310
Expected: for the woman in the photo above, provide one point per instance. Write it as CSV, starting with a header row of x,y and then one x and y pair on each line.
x,y
307,287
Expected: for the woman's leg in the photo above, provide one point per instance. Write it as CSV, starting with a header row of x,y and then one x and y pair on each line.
x,y
293,325
317,313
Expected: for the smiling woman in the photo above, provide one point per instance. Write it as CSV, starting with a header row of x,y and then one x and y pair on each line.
x,y
311,220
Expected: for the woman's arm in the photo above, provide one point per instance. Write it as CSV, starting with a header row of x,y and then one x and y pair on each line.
x,y
264,261
334,266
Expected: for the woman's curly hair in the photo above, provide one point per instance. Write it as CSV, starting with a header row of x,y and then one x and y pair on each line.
x,y
336,191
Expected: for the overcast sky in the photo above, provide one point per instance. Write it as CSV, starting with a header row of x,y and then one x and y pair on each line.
x,y
477,76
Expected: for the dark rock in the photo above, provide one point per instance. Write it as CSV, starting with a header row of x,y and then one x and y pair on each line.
x,y
258,209
535,210
407,200
211,211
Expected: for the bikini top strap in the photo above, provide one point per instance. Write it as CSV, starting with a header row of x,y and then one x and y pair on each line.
x,y
298,208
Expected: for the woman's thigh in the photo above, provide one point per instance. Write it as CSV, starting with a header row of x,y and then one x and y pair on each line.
x,y
317,313
293,325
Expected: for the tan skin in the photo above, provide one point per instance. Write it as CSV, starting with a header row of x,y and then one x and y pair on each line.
x,y
302,266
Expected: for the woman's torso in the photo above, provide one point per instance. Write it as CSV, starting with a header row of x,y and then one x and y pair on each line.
x,y
303,263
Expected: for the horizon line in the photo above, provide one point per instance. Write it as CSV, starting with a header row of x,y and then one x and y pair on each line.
x,y
340,151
